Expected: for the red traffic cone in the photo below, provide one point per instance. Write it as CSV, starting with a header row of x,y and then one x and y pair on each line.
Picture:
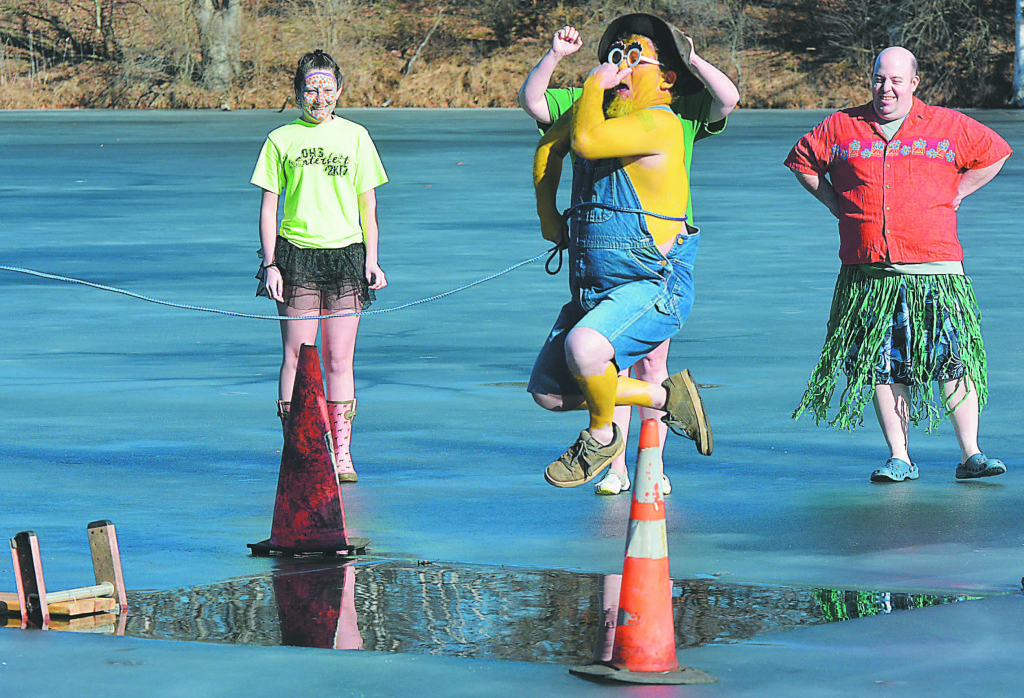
x,y
309,516
645,638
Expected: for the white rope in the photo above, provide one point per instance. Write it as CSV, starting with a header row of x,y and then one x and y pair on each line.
x,y
251,316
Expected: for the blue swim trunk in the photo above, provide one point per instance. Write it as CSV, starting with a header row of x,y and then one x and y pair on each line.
x,y
896,358
635,316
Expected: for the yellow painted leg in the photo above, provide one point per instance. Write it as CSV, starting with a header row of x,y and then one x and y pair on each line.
x,y
600,392
603,392
633,392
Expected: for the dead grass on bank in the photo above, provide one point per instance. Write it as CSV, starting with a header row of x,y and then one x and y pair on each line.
x,y
462,65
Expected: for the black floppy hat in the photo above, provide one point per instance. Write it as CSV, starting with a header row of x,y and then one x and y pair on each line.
x,y
669,41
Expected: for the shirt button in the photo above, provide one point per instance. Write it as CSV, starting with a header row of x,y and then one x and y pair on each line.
x,y
680,240
663,262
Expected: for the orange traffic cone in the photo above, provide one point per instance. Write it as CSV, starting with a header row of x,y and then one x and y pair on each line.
x,y
645,637
308,513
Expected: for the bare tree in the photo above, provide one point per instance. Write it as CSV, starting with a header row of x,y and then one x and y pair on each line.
x,y
219,21
952,39
66,32
103,13
332,17
1018,64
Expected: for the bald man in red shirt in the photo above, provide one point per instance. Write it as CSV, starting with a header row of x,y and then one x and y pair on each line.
x,y
894,172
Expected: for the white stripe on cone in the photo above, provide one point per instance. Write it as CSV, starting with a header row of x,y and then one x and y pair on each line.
x,y
647,539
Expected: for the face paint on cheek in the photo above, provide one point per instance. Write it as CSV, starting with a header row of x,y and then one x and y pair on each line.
x,y
319,96
643,82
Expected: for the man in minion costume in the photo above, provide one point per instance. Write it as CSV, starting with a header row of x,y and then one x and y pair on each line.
x,y
631,253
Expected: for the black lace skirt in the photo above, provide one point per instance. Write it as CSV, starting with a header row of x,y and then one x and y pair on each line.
x,y
328,278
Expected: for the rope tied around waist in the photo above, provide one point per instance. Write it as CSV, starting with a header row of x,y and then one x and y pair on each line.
x,y
618,209
557,250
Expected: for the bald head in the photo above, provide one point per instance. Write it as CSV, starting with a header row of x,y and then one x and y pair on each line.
x,y
893,82
897,55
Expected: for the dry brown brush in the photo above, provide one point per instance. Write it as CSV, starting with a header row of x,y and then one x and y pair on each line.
x,y
475,53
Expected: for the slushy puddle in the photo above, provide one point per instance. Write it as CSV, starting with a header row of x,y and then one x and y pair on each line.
x,y
483,612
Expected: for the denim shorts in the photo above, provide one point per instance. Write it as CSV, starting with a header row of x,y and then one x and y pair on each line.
x,y
895,357
634,316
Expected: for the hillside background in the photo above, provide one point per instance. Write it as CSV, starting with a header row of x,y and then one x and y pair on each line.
x,y
240,54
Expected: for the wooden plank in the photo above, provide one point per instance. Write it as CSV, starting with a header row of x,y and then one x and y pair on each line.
x,y
28,573
93,592
105,623
81,607
106,558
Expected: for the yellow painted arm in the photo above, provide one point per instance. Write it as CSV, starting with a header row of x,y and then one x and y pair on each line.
x,y
547,173
594,137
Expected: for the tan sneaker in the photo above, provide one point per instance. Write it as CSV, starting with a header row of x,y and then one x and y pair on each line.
x,y
685,413
584,460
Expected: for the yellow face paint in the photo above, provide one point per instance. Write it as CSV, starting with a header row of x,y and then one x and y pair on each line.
x,y
641,88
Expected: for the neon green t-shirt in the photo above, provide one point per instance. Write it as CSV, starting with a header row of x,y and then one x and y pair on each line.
x,y
322,169
693,112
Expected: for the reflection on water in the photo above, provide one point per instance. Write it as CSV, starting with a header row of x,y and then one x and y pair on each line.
x,y
475,611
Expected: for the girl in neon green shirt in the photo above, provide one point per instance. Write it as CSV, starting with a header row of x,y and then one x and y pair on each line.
x,y
321,258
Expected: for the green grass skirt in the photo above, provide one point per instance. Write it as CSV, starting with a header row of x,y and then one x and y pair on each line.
x,y
862,309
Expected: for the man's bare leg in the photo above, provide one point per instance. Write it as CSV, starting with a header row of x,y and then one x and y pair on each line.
x,y
892,407
590,357
963,398
650,369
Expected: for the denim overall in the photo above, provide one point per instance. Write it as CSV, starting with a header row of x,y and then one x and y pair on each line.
x,y
622,285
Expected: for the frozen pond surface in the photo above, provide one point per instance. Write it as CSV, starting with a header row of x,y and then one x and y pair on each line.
x,y
162,420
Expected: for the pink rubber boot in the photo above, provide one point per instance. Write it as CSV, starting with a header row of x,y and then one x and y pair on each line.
x,y
283,411
341,415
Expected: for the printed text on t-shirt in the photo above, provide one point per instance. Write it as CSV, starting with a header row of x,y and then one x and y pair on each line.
x,y
334,165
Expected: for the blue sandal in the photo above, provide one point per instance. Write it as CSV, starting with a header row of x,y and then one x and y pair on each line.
x,y
895,470
979,466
